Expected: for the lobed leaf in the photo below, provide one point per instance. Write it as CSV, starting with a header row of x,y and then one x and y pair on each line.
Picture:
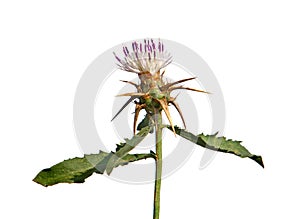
x,y
76,170
146,122
221,144
124,148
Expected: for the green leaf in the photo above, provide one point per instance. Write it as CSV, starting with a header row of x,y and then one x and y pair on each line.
x,y
124,148
76,170
221,144
146,122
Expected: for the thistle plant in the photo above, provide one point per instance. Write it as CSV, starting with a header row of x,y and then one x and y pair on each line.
x,y
152,94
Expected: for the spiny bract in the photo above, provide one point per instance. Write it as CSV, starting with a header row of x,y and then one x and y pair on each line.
x,y
153,93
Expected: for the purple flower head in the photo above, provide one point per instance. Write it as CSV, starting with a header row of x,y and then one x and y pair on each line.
x,y
148,56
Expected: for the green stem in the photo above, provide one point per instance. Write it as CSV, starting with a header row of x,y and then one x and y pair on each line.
x,y
158,164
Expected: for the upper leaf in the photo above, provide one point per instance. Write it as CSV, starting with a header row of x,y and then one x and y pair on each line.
x,y
146,122
221,144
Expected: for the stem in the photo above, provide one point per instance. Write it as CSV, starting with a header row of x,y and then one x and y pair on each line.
x,y
158,164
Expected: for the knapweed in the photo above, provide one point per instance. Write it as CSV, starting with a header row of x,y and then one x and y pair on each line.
x,y
147,59
153,93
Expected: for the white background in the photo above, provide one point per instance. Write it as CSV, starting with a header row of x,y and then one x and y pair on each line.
x,y
253,48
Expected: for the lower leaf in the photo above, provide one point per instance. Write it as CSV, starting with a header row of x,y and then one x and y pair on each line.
x,y
76,170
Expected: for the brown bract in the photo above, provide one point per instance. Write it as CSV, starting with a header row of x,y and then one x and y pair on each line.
x,y
153,92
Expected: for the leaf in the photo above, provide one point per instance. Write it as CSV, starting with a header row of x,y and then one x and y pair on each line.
x,y
146,122
76,170
221,144
124,148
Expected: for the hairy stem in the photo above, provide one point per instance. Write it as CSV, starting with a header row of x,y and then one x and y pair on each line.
x,y
158,164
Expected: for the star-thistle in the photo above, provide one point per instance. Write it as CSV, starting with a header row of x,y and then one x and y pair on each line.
x,y
153,94
148,60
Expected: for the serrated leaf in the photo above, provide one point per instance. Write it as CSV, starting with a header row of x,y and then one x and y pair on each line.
x,y
221,144
76,170
144,123
124,148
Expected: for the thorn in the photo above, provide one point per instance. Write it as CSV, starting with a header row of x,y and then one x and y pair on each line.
x,y
131,94
167,86
174,98
123,107
164,105
188,88
179,111
138,108
132,83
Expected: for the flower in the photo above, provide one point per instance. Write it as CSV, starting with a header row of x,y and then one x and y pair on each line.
x,y
153,92
145,57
